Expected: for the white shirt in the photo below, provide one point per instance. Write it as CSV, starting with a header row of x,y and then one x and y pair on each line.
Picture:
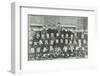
x,y
57,34
32,50
38,49
61,40
47,35
52,41
46,42
44,49
65,48
40,42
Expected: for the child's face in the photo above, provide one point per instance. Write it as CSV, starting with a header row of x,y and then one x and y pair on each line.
x,y
42,35
61,40
57,34
71,36
66,41
66,35
84,41
70,42
57,41
79,41
48,35
62,35
52,34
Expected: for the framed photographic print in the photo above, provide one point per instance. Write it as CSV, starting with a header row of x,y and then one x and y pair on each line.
x,y
50,38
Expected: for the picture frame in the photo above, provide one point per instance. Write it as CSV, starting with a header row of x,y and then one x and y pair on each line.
x,y
20,13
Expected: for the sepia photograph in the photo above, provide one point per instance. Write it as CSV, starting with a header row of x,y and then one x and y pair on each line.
x,y
57,37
